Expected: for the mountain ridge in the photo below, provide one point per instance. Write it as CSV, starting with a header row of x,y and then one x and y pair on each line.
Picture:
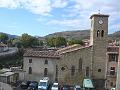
x,y
74,34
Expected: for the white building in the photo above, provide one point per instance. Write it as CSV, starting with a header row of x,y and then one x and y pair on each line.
x,y
38,64
7,76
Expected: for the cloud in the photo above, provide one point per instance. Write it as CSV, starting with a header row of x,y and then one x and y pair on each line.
x,y
59,3
72,13
9,3
42,7
71,23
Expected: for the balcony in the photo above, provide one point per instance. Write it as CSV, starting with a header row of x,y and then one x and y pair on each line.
x,y
111,74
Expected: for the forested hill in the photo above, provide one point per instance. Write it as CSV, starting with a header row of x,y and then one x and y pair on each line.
x,y
82,34
78,34
9,35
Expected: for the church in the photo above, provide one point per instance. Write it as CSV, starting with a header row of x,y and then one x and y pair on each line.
x,y
70,65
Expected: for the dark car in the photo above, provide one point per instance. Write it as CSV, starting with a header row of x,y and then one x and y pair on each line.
x,y
67,87
33,85
25,84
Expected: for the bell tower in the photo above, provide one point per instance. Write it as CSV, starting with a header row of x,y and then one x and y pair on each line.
x,y
98,40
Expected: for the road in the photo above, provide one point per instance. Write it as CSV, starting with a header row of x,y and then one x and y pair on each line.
x,y
4,86
11,51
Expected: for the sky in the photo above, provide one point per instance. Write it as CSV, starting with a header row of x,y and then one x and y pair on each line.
x,y
43,17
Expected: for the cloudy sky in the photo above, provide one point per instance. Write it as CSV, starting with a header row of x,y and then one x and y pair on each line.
x,y
42,17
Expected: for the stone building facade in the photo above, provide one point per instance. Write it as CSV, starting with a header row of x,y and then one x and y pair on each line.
x,y
39,64
112,64
71,65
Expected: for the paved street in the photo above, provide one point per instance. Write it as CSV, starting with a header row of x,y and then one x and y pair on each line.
x,y
4,86
10,51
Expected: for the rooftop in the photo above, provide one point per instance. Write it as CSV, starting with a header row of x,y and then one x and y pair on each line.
x,y
42,54
7,74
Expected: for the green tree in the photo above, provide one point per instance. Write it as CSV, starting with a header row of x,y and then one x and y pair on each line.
x,y
28,40
60,41
75,41
50,41
4,37
40,43
56,41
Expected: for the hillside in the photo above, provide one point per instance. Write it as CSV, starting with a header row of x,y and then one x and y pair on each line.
x,y
115,36
10,36
81,34
78,34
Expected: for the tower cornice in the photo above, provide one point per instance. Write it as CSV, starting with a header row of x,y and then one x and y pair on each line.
x,y
98,15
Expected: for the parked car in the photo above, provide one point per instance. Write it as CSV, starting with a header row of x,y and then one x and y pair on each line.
x,y
67,87
112,89
24,85
55,86
77,87
44,84
33,85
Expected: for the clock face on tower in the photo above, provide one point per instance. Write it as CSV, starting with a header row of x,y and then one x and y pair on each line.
x,y
100,21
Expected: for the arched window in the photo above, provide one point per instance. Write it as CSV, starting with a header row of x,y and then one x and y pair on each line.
x,y
102,33
30,70
80,64
98,33
45,72
72,70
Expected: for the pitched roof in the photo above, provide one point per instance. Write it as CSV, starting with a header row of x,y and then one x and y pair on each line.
x,y
41,54
73,49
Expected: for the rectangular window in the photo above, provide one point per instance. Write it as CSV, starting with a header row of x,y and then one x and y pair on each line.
x,y
30,60
30,70
72,70
80,65
112,71
113,57
87,71
46,61
56,78
45,72
111,83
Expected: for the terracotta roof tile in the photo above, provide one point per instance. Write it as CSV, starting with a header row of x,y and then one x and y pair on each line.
x,y
42,54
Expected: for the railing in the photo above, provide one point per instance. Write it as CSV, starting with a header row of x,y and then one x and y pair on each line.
x,y
111,74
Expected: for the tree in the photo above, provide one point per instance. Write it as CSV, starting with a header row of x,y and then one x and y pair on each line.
x,y
41,43
56,41
60,41
50,41
3,38
28,40
75,41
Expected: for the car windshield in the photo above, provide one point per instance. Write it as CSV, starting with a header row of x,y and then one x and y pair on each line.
x,y
42,83
33,84
55,85
77,88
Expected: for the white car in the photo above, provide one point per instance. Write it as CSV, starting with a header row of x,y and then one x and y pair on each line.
x,y
112,89
55,86
77,87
